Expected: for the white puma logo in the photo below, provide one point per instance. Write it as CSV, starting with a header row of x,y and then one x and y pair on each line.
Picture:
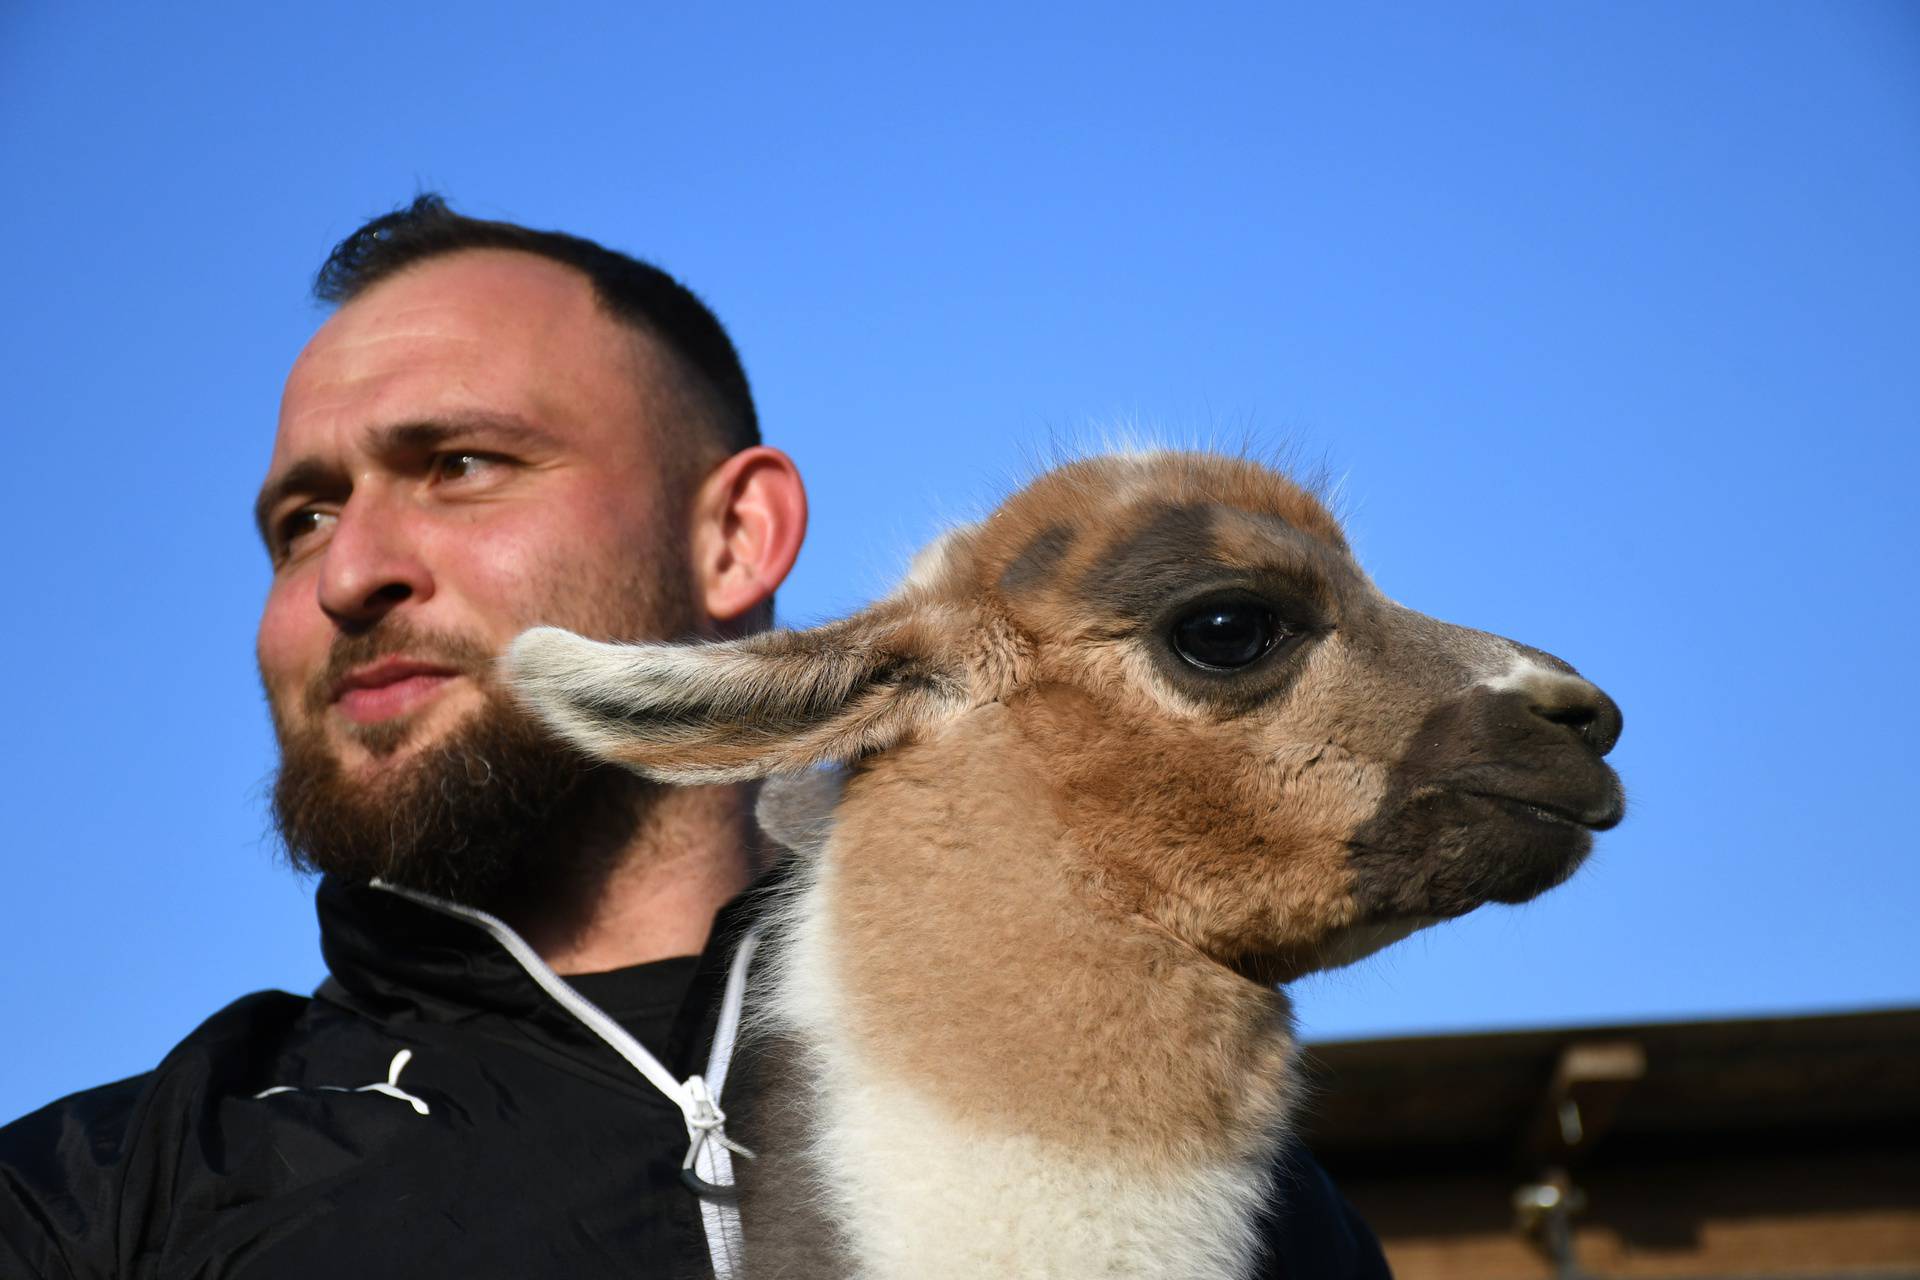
x,y
390,1086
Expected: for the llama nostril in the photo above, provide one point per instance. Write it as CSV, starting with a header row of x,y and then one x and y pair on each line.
x,y
1580,718
1582,708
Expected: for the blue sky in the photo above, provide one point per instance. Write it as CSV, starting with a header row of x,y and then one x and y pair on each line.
x,y
1605,314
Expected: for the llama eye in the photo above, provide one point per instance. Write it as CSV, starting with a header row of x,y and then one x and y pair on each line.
x,y
1226,634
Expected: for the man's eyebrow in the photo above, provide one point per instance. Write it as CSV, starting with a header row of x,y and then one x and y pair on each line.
x,y
402,438
305,476
433,433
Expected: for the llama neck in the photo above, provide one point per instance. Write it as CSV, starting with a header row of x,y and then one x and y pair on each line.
x,y
998,1044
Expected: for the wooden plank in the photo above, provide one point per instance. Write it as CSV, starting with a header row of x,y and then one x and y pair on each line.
x,y
1589,1083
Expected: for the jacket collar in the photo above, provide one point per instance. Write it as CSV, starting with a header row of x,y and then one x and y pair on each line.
x,y
395,959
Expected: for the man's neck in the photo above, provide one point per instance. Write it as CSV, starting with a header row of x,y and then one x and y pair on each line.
x,y
656,895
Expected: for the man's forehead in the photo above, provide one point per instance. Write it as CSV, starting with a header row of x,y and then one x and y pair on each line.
x,y
498,329
487,298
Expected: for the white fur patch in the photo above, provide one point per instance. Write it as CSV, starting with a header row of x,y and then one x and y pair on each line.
x,y
553,671
922,1196
1135,439
560,676
1356,942
796,809
1529,675
1522,672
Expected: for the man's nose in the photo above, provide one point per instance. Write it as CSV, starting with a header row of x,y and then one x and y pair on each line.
x,y
370,566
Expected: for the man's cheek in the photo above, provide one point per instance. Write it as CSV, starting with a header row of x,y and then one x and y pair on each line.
x,y
492,581
286,656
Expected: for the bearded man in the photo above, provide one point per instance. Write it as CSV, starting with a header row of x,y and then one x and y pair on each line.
x,y
496,428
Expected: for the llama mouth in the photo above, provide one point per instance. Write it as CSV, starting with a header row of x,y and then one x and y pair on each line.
x,y
1608,813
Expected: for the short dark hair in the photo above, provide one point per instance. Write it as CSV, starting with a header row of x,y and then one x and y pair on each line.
x,y
637,293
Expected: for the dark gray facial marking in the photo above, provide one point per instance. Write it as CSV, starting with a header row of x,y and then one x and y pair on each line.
x,y
1179,548
1137,574
1037,561
1462,822
1172,565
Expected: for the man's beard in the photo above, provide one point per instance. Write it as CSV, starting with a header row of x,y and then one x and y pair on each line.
x,y
500,811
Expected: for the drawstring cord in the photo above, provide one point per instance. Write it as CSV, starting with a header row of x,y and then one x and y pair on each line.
x,y
708,1167
708,1123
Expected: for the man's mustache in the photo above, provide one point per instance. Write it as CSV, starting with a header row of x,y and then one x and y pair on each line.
x,y
396,639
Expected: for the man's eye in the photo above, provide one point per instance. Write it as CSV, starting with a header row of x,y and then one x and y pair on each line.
x,y
462,466
301,525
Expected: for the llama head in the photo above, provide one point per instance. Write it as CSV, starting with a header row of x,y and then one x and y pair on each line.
x,y
1248,744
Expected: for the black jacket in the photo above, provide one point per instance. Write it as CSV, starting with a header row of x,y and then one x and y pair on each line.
x,y
256,1149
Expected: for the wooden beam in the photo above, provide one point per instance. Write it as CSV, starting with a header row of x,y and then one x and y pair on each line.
x,y
1589,1082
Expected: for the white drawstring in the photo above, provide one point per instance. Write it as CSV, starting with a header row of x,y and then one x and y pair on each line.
x,y
712,1162
709,1159
708,1123
389,1087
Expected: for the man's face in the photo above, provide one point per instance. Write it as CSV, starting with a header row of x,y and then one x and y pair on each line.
x,y
469,448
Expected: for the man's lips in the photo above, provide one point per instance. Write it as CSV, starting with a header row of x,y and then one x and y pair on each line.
x,y
388,688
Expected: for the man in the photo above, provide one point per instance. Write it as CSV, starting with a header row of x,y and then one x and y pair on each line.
x,y
496,428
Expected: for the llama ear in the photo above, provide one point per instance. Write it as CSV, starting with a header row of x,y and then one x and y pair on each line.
x,y
776,702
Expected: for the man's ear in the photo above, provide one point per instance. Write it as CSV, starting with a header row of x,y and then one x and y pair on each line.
x,y
775,702
749,516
